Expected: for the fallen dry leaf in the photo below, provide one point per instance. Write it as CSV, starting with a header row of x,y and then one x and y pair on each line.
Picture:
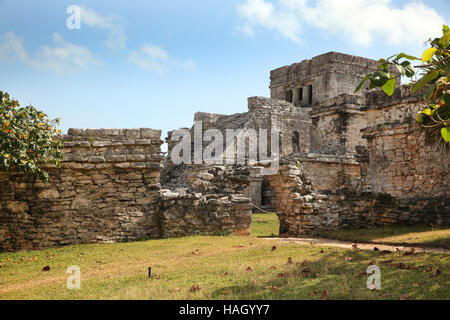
x,y
412,252
156,276
324,295
195,288
275,289
438,273
305,271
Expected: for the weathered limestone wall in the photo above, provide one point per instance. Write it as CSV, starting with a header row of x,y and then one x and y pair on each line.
x,y
330,172
184,213
292,122
401,165
303,210
336,125
107,190
226,181
329,74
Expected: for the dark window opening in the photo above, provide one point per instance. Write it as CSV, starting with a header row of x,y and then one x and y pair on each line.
x,y
289,96
296,142
310,95
300,94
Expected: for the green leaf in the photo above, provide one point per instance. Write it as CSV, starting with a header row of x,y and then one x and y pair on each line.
x,y
389,87
424,80
446,134
428,54
361,84
444,41
406,56
409,69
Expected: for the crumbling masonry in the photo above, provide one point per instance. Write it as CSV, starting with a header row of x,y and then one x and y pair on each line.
x,y
348,161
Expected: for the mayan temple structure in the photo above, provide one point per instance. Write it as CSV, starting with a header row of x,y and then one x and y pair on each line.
x,y
346,161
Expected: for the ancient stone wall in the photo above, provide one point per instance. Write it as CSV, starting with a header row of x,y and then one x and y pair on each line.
x,y
331,172
400,163
336,125
107,190
326,76
303,210
184,213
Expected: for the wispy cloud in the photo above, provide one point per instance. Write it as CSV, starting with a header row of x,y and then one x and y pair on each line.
x,y
62,58
358,21
113,25
153,58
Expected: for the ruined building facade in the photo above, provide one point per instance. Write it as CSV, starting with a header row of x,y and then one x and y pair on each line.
x,y
347,161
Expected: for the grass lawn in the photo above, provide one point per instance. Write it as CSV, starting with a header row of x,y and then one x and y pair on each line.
x,y
223,267
401,234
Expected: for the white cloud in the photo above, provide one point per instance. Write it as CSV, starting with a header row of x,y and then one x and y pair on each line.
x,y
63,58
112,24
264,14
358,21
153,58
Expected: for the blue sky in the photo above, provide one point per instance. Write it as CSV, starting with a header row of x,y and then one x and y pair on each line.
x,y
155,63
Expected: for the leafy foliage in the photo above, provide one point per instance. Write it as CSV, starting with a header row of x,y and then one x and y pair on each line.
x,y
434,75
27,139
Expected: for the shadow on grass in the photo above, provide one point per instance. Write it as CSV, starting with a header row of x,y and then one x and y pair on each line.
x,y
418,235
340,279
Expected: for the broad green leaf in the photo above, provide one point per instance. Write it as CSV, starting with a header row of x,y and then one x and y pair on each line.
x,y
444,41
361,84
446,134
406,56
428,54
389,87
409,69
400,69
429,92
424,80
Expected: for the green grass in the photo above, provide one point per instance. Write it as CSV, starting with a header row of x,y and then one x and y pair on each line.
x,y
265,225
219,266
421,235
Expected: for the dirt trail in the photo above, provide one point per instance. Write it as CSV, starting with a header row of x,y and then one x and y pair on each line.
x,y
359,245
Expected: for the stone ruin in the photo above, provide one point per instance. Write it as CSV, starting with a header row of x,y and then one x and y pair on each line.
x,y
347,161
